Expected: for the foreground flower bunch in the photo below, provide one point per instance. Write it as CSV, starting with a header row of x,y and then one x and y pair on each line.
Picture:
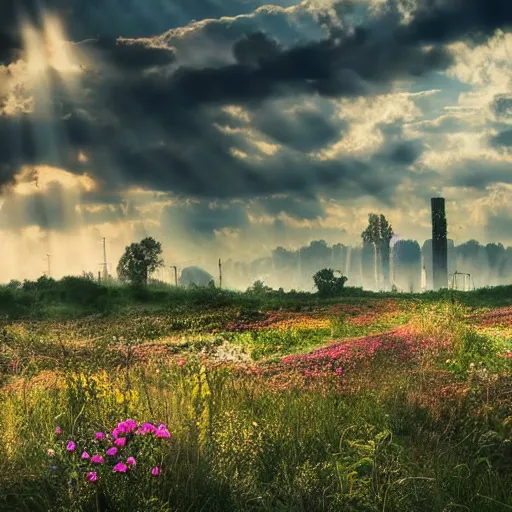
x,y
113,452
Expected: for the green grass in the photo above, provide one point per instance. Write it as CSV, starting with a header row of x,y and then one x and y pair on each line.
x,y
432,433
74,297
238,445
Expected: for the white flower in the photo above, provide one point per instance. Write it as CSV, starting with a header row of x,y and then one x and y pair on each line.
x,y
51,453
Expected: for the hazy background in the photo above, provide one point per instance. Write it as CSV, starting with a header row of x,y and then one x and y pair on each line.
x,y
228,129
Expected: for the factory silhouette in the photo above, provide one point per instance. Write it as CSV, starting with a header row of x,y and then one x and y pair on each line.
x,y
437,264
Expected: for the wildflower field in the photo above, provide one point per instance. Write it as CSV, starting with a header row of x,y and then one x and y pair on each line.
x,y
382,403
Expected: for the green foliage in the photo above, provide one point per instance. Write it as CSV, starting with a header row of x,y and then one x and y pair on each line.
x,y
379,233
266,343
389,438
79,297
462,349
240,444
378,230
328,284
139,261
259,288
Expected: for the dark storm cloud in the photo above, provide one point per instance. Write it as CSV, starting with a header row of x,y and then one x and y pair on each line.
x,y
299,209
10,47
197,160
445,21
157,130
405,153
503,139
203,218
160,146
129,53
216,42
357,65
480,174
502,105
255,49
86,19
24,140
303,130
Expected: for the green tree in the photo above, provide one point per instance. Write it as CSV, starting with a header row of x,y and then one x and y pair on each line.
x,y
139,260
328,284
379,233
258,288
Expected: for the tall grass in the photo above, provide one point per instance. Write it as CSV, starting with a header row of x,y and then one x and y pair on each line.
x,y
434,435
240,444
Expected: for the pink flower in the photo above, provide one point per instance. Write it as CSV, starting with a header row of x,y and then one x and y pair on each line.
x,y
71,446
58,431
85,455
97,459
131,424
92,476
120,441
339,372
181,362
125,427
147,428
111,451
155,471
131,461
99,436
120,468
162,432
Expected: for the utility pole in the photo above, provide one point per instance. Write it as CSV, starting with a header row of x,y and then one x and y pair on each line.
x,y
105,267
49,267
175,274
220,274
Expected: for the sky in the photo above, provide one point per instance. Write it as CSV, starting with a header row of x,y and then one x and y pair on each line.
x,y
227,128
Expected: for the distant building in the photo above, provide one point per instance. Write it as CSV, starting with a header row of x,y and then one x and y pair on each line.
x,y
195,276
406,265
427,261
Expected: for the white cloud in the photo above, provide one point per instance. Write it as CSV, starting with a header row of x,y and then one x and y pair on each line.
x,y
364,115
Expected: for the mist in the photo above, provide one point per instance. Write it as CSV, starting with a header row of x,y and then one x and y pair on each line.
x,y
261,135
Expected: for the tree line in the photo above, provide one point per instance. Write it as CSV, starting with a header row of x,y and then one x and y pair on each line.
x,y
375,264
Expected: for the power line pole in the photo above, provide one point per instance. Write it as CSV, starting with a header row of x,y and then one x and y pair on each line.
x,y
220,274
49,267
175,274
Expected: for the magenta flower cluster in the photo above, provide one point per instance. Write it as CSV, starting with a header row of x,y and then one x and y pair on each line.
x,y
118,439
401,342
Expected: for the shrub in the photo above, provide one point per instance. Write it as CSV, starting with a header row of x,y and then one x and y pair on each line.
x,y
327,284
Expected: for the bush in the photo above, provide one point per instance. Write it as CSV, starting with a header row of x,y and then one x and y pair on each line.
x,y
327,284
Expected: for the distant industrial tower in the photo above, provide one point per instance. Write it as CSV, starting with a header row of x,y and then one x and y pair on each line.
x,y
439,244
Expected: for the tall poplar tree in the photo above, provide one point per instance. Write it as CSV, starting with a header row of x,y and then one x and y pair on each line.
x,y
379,233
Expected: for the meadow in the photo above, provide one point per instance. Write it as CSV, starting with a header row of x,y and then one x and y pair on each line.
x,y
187,400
